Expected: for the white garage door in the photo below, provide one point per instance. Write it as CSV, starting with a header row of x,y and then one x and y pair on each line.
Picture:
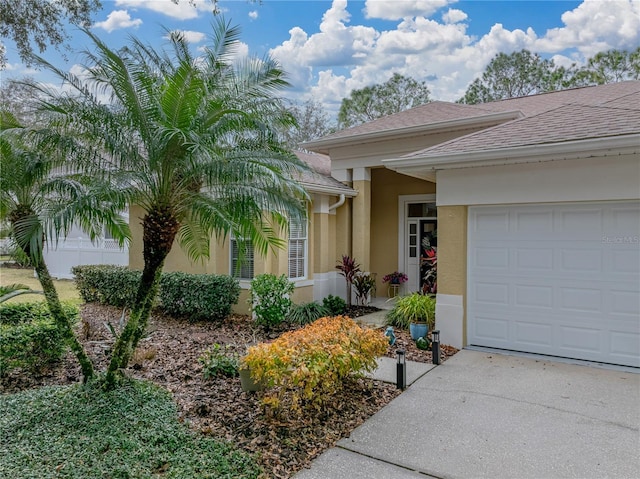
x,y
562,280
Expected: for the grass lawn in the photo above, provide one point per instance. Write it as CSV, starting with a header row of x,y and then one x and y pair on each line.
x,y
82,432
66,288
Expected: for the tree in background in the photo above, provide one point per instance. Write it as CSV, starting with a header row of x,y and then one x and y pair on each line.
x,y
312,121
524,73
397,94
517,74
192,140
42,22
609,67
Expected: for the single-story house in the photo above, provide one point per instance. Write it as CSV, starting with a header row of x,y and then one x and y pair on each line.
x,y
533,206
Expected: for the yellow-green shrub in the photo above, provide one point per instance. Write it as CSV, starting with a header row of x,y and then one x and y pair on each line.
x,y
307,366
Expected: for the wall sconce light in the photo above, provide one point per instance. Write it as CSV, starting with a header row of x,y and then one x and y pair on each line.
x,y
435,347
401,370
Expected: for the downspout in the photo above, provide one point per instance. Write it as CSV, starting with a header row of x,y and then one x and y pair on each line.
x,y
338,204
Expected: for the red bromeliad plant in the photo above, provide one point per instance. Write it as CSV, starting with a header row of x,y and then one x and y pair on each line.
x,y
349,269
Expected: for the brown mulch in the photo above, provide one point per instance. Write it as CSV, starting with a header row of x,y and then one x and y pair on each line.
x,y
168,356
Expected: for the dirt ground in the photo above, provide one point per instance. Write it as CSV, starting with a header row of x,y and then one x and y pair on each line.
x,y
168,356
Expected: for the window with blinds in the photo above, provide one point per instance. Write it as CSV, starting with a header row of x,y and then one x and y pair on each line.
x,y
241,259
297,249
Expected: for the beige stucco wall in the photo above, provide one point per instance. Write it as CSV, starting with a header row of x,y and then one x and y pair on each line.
x,y
386,186
452,249
275,262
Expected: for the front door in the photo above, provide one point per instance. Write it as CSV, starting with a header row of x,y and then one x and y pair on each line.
x,y
420,235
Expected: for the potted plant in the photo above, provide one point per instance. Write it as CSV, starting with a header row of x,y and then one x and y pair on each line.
x,y
415,312
394,279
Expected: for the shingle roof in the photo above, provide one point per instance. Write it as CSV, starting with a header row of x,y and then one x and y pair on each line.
x,y
566,123
429,113
570,115
320,174
616,95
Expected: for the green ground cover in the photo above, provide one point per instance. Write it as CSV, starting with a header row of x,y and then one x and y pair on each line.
x,y
132,432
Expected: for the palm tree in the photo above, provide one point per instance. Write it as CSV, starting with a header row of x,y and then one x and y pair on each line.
x,y
192,141
41,202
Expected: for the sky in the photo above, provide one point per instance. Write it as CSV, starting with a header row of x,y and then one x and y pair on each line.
x,y
329,48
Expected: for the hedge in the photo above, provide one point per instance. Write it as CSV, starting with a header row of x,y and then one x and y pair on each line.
x,y
197,296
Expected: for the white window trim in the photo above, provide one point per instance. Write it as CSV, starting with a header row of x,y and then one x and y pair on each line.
x,y
305,253
231,266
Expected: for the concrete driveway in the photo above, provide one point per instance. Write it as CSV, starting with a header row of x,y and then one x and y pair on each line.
x,y
486,415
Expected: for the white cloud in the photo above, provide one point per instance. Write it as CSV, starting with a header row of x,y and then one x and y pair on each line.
x,y
327,64
117,20
594,26
183,10
192,36
395,10
453,15
253,14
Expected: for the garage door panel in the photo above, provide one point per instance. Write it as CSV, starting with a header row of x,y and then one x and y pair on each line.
x,y
625,261
533,334
532,222
533,296
625,347
576,259
534,259
551,281
491,293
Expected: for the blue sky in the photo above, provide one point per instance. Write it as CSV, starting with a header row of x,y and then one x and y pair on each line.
x,y
329,48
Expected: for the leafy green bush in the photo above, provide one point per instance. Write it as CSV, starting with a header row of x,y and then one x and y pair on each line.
x,y
107,284
335,305
219,361
269,299
307,366
363,283
83,432
307,312
199,296
413,308
30,338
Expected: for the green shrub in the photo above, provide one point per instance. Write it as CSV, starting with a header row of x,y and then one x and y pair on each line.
x,y
219,361
198,296
307,312
412,308
269,299
107,284
335,305
307,366
30,338
363,283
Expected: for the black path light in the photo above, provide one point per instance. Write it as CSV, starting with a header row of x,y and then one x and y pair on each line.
x,y
435,347
401,370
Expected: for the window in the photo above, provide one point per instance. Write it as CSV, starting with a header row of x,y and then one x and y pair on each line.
x,y
298,249
241,259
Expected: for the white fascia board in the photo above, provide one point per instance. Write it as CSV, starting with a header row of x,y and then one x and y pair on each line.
x,y
329,190
491,119
618,145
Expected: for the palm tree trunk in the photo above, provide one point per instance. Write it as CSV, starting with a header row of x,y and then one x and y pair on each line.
x,y
63,323
159,230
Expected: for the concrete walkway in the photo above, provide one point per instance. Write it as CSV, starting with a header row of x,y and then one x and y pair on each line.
x,y
486,415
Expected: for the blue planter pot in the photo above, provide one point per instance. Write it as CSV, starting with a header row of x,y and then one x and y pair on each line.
x,y
418,330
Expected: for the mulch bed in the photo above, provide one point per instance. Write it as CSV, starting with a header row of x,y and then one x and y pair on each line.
x,y
168,356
